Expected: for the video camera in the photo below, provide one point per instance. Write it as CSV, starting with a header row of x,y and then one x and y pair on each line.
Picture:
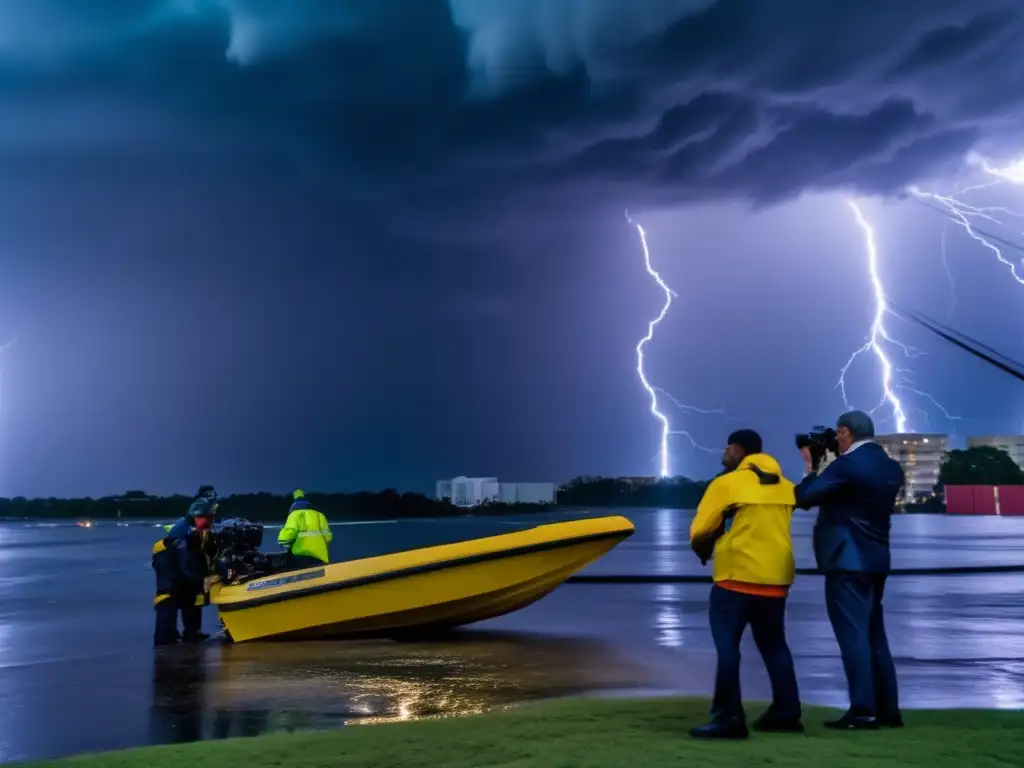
x,y
238,556
821,441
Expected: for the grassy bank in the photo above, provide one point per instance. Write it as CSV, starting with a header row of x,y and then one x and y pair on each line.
x,y
579,733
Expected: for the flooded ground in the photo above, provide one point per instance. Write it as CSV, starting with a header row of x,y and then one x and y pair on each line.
x,y
77,672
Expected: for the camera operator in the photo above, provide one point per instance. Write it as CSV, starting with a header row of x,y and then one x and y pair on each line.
x,y
856,495
181,561
744,518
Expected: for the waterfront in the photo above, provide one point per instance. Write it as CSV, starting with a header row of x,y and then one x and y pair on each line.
x,y
77,671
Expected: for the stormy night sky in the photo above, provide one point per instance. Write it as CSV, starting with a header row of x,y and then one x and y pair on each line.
x,y
365,243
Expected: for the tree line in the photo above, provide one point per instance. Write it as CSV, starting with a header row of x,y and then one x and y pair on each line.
x,y
262,507
679,493
670,493
982,465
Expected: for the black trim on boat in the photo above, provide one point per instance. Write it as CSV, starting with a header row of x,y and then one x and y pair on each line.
x,y
336,586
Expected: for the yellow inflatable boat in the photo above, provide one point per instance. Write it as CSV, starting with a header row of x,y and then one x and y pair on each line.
x,y
436,587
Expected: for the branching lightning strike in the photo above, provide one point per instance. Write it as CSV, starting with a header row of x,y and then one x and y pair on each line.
x,y
964,214
893,379
879,333
961,213
664,458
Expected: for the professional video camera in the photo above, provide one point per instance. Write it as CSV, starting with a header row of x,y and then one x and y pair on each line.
x,y
238,554
822,442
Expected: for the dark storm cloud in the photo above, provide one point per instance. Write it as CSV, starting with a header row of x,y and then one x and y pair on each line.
x,y
425,104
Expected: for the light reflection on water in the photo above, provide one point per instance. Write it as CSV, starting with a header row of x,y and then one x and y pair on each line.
x,y
197,695
668,619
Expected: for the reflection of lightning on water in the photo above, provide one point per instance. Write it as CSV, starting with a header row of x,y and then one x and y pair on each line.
x,y
664,459
892,379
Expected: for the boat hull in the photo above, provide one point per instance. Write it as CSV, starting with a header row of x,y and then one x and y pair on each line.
x,y
418,591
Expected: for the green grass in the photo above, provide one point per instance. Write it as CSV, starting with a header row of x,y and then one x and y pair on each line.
x,y
579,733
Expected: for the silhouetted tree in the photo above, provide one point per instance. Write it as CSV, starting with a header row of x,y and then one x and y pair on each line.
x,y
980,465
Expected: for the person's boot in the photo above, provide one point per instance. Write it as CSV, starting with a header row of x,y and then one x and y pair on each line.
x,y
772,723
195,637
853,722
891,721
727,729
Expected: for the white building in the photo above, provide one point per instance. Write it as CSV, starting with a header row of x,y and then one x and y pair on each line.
x,y
472,491
1012,444
920,455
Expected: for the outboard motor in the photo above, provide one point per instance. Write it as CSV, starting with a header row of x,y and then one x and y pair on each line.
x,y
238,554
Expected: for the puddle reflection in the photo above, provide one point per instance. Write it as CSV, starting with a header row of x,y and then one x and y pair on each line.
x,y
668,617
250,689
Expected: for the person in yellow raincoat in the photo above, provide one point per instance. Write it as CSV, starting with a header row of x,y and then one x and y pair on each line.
x,y
743,521
306,534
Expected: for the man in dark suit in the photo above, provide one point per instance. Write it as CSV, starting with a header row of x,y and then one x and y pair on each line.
x,y
855,495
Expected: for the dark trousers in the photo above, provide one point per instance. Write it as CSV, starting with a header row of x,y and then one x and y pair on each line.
x,y
298,562
730,613
168,606
854,602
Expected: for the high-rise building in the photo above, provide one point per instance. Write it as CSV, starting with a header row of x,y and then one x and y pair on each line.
x,y
920,455
472,491
1012,444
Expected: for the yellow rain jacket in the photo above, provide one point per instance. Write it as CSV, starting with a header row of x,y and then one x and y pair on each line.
x,y
754,505
306,532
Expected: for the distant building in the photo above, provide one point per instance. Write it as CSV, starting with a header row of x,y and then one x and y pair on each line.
x,y
1012,444
920,455
641,480
134,497
473,491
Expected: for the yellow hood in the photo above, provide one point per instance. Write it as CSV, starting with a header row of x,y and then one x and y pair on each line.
x,y
759,480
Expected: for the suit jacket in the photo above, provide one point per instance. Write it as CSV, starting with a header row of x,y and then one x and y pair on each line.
x,y
855,495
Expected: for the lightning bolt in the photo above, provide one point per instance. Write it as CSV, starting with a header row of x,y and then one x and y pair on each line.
x,y
949,273
962,213
691,408
966,215
1009,174
894,379
664,459
666,428
879,333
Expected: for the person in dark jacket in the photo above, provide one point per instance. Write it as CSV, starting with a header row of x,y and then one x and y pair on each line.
x,y
856,496
181,565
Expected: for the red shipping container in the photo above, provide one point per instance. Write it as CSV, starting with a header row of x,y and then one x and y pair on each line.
x,y
1011,500
984,499
959,500
970,500
1005,500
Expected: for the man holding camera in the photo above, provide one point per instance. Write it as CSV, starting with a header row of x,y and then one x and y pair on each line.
x,y
856,495
743,519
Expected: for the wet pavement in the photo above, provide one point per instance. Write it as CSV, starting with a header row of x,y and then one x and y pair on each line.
x,y
77,672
